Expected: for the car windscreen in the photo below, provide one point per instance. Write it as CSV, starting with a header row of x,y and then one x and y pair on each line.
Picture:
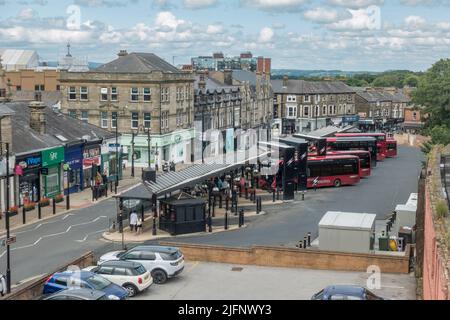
x,y
98,283
170,256
139,270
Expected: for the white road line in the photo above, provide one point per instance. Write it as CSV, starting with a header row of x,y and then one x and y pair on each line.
x,y
55,234
90,234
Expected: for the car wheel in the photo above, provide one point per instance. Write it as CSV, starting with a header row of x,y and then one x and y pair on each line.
x,y
159,276
132,290
337,183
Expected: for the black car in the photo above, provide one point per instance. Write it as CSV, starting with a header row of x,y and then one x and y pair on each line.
x,y
343,292
78,294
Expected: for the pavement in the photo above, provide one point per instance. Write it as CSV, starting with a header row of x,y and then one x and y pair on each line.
x,y
49,244
213,281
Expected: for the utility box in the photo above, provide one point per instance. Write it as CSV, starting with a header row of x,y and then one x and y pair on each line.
x,y
347,232
406,214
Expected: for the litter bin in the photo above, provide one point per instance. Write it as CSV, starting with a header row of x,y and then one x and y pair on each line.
x,y
406,234
383,243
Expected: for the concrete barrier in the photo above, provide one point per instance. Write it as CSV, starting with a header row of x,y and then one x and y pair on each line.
x,y
295,258
33,289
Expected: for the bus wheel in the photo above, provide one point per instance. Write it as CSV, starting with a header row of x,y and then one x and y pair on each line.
x,y
337,183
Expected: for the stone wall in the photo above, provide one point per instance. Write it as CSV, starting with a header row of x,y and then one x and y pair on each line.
x,y
294,258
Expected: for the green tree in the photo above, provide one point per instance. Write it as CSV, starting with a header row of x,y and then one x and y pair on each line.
x,y
411,81
433,92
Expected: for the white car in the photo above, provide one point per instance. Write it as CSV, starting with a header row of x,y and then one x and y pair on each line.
x,y
162,262
130,275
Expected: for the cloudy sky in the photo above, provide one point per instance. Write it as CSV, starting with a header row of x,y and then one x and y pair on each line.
x,y
373,35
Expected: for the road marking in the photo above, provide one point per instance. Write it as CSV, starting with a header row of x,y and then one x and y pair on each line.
x,y
55,234
193,266
90,234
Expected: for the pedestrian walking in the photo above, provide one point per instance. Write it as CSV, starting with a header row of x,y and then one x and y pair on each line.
x,y
139,226
2,285
133,221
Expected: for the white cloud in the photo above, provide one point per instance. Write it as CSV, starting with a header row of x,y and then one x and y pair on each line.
x,y
321,15
355,4
27,14
199,4
415,22
361,19
415,3
265,35
215,29
274,4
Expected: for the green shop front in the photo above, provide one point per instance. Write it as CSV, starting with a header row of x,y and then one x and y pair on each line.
x,y
176,147
52,162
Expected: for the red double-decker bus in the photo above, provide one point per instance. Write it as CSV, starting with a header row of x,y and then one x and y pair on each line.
x,y
333,171
381,141
365,161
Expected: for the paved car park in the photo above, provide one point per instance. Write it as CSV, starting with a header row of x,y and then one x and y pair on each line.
x,y
213,281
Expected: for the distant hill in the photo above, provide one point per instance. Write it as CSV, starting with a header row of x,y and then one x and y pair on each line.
x,y
293,73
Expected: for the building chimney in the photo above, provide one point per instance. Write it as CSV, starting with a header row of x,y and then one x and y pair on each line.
x,y
260,66
37,116
228,77
122,53
202,80
267,66
285,81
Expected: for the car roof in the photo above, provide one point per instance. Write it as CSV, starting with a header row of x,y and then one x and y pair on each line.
x,y
344,290
80,293
120,263
83,274
159,249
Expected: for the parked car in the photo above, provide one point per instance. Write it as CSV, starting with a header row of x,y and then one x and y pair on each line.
x,y
130,275
162,262
83,279
78,294
344,292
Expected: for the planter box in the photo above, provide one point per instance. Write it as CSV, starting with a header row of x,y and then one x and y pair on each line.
x,y
59,200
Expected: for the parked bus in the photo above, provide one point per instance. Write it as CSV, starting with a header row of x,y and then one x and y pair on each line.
x,y
365,162
333,171
381,141
355,143
391,148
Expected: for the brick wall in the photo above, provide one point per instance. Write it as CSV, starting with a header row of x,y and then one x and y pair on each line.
x,y
294,258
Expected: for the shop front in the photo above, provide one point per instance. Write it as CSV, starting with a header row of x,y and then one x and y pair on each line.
x,y
27,170
73,175
52,161
115,161
92,161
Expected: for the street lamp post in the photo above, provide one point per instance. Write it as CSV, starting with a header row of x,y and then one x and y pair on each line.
x,y
149,147
117,150
8,251
133,135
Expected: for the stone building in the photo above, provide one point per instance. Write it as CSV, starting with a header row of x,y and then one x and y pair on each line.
x,y
133,94
381,107
304,106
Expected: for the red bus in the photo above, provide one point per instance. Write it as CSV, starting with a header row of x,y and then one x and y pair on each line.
x,y
333,171
391,148
365,162
381,141
355,143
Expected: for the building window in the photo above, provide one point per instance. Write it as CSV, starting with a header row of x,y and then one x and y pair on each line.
x,y
73,114
180,93
18,88
134,120
58,87
165,94
147,94
72,93
147,120
113,120
324,110
165,120
186,93
306,111
39,87
85,116
317,98
291,112
330,109
104,119
307,99
114,94
83,93
104,94
134,94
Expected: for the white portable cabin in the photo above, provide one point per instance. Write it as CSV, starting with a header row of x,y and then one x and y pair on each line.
x,y
406,214
347,232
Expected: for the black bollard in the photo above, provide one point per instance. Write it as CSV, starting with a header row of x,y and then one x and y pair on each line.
x,y
111,185
273,195
209,224
24,216
278,193
254,196
142,213
305,240
39,212
258,205
309,239
300,245
106,190
227,203
54,206
226,220
303,196
154,225
220,201
93,194
68,201
246,193
214,207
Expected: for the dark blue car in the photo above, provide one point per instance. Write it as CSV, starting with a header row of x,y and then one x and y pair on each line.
x,y
343,292
83,279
